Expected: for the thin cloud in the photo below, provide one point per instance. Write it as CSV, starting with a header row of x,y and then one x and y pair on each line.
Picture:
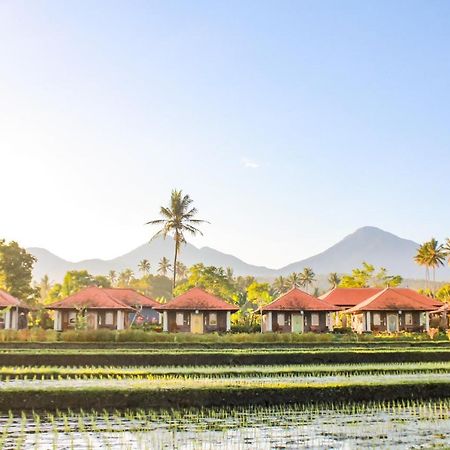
x,y
249,163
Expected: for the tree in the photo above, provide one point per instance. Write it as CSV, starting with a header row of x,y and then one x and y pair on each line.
x,y
164,266
334,279
279,285
431,255
294,280
16,266
125,278
212,279
144,266
44,287
307,278
443,293
182,270
367,277
178,219
112,275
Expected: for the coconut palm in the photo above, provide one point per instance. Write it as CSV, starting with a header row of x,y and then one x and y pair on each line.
x,y
164,266
181,270
144,266
177,219
112,276
293,281
125,277
421,259
279,285
334,280
432,255
307,277
436,256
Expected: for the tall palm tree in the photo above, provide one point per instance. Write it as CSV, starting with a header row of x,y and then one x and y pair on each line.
x,y
421,259
436,257
177,219
432,255
144,266
334,280
164,266
112,276
125,277
181,270
307,277
447,249
293,280
279,285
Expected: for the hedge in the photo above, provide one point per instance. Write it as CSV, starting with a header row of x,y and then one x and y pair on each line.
x,y
211,358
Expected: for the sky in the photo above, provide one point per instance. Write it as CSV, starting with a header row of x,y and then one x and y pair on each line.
x,y
289,123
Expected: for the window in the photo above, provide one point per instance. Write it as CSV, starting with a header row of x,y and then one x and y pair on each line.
x,y
280,319
179,319
408,319
314,319
376,319
72,318
109,318
213,318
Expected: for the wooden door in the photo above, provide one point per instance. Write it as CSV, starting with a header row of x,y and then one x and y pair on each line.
x,y
392,323
197,323
297,323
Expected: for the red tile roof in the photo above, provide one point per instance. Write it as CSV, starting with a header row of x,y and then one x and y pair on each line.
x,y
346,297
92,298
349,297
7,300
390,299
132,298
423,298
197,298
297,300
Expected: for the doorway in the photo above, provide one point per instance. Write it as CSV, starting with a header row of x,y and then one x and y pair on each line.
x,y
197,323
297,323
392,323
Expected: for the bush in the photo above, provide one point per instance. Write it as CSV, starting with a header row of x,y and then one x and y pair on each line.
x,y
28,335
342,330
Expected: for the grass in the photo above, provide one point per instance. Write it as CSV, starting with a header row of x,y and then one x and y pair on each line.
x,y
136,335
211,372
200,393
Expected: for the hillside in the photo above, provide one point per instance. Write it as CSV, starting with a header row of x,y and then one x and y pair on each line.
x,y
366,244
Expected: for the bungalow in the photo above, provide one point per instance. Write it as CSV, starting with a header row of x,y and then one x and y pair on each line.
x,y
197,311
144,307
297,312
346,298
13,312
392,310
103,308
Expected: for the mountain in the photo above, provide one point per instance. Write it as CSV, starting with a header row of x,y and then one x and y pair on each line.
x,y
56,267
369,244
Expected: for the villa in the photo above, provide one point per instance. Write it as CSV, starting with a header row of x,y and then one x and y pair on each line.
x,y
114,309
392,310
197,311
13,312
298,312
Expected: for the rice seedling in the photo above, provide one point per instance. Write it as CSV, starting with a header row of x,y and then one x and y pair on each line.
x,y
393,424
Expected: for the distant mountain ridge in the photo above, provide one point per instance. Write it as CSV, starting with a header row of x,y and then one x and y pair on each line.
x,y
370,244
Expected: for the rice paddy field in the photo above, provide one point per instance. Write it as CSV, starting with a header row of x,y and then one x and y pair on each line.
x,y
338,405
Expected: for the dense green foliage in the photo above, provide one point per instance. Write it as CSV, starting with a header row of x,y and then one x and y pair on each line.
x,y
16,266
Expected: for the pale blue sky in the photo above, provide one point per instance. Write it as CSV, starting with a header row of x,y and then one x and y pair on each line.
x,y
290,123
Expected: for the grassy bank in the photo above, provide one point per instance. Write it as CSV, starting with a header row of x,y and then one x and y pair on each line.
x,y
201,395
232,357
140,336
